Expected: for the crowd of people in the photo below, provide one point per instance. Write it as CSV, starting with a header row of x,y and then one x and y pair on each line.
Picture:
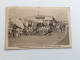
x,y
43,30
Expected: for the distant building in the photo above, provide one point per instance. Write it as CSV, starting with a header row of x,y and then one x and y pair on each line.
x,y
40,21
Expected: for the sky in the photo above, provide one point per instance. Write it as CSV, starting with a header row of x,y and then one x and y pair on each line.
x,y
59,13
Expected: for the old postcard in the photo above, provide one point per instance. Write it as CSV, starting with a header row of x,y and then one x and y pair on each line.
x,y
38,27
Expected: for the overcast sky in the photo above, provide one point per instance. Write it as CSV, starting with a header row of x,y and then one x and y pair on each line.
x,y
60,14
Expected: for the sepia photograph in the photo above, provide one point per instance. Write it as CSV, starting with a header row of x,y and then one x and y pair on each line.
x,y
38,27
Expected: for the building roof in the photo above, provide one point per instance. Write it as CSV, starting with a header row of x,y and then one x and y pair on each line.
x,y
48,18
38,20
